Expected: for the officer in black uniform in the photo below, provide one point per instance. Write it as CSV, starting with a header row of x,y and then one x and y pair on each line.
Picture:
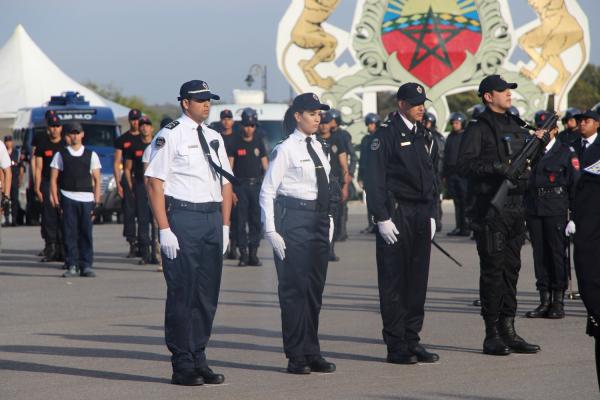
x,y
456,184
51,221
346,139
484,156
430,122
402,196
372,122
16,166
134,175
248,159
587,220
550,190
122,144
334,147
570,133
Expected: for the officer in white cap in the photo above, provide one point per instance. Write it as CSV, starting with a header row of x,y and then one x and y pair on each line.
x,y
190,193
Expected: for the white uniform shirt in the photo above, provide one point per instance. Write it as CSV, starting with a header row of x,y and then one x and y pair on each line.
x,y
178,160
146,155
291,173
5,160
57,163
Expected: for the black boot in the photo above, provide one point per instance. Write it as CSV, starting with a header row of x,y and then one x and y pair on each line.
x,y
253,258
454,232
232,253
542,310
332,256
49,252
145,254
557,308
243,257
493,343
132,250
506,327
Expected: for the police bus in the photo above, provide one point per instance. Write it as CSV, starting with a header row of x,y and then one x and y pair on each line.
x,y
101,130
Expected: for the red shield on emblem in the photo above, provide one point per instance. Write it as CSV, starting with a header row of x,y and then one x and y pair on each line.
x,y
431,38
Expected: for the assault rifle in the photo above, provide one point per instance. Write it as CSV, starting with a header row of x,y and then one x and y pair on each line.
x,y
519,164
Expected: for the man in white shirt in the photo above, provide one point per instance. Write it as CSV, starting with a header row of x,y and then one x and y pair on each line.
x,y
79,171
5,179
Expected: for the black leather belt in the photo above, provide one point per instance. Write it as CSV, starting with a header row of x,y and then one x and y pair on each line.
x,y
173,203
250,181
298,204
552,190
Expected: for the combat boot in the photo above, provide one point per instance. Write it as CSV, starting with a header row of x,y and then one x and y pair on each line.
x,y
253,258
557,307
49,252
506,327
232,253
132,250
542,310
332,256
243,257
493,343
145,254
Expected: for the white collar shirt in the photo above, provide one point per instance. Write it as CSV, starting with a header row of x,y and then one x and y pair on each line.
x,y
177,159
5,161
549,145
408,124
291,173
589,140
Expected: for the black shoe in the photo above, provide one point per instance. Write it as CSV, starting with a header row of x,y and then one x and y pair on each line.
x,y
72,272
506,328
298,366
493,343
333,257
477,303
232,254
557,307
49,253
187,377
402,357
423,355
453,232
464,233
209,376
88,273
243,257
132,250
541,310
319,364
342,238
253,259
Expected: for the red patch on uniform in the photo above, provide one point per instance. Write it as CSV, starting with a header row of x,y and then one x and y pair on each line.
x,y
48,153
241,152
575,163
552,178
139,153
126,145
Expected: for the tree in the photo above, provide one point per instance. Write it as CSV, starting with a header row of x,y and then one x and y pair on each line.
x,y
586,91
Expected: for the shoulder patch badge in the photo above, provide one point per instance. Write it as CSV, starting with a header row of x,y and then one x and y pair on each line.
x,y
159,142
375,144
172,124
575,163
334,149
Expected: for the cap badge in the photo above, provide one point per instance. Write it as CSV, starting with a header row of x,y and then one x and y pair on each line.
x,y
315,97
419,90
204,85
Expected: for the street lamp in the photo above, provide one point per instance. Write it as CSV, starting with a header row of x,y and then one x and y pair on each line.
x,y
255,71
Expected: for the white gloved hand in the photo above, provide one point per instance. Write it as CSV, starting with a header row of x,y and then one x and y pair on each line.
x,y
433,228
277,242
570,229
331,228
388,231
225,238
168,243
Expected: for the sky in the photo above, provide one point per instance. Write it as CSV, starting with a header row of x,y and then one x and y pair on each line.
x,y
149,48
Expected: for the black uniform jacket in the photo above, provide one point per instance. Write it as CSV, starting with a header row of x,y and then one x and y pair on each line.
x,y
400,165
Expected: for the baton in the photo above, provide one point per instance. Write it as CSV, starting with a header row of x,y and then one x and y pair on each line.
x,y
445,253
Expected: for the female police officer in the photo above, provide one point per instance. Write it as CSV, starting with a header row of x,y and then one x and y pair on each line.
x,y
295,203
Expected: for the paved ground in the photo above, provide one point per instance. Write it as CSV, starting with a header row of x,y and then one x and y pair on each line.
x,y
102,338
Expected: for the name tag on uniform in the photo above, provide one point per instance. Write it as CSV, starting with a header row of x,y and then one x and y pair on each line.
x,y
193,146
405,144
305,160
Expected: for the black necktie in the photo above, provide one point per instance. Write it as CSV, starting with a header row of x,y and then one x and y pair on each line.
x,y
322,184
215,166
584,145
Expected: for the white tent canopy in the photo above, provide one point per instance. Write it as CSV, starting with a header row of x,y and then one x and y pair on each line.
x,y
28,78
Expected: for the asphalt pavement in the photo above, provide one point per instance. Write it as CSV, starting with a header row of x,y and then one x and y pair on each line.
x,y
102,338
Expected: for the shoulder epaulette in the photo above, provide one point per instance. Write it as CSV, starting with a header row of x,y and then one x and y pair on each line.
x,y
172,124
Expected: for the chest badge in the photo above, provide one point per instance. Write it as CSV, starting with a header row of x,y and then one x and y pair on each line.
x,y
241,152
552,178
256,151
126,145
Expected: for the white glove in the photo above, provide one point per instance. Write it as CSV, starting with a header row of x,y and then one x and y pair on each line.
x,y
433,228
570,229
277,242
331,228
168,243
388,231
225,238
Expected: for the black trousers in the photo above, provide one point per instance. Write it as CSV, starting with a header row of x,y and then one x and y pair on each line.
x,y
11,216
51,219
549,252
193,280
301,276
499,242
79,243
142,213
457,189
402,274
128,209
248,214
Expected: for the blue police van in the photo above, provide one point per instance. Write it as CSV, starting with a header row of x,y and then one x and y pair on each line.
x,y
101,130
